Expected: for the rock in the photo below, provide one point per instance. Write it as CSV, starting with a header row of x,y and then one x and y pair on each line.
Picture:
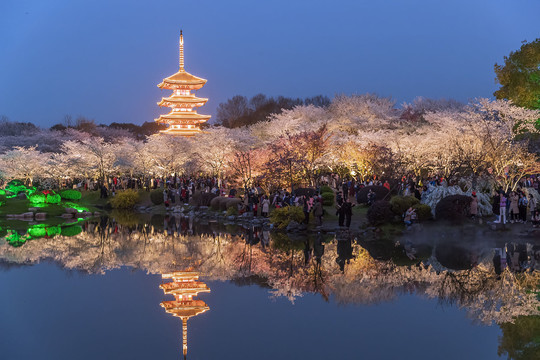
x,y
33,209
22,196
293,226
231,217
96,213
67,216
41,216
71,210
28,215
87,214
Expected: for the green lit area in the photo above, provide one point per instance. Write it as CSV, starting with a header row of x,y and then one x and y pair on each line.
x,y
14,187
78,207
17,229
37,231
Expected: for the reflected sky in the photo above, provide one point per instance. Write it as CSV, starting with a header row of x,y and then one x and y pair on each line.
x,y
51,313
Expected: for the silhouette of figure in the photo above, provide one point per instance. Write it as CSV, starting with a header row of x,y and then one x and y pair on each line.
x,y
307,251
344,252
318,248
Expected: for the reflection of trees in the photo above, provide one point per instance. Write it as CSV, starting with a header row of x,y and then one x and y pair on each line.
x,y
520,340
289,268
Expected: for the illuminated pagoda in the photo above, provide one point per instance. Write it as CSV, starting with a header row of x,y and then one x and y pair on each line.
x,y
183,118
184,286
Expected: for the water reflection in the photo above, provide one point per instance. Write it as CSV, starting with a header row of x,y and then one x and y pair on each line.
x,y
184,286
493,280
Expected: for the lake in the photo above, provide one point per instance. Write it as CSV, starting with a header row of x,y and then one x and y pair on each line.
x,y
94,292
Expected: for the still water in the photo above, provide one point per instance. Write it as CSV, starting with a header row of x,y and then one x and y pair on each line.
x,y
436,293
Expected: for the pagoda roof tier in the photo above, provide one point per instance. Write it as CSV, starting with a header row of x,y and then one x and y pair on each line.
x,y
181,131
185,309
184,286
182,80
178,100
183,117
181,275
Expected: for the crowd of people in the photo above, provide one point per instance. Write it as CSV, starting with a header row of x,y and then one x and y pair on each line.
x,y
513,207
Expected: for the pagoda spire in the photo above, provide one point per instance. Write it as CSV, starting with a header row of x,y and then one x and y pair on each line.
x,y
184,337
181,51
183,119
184,286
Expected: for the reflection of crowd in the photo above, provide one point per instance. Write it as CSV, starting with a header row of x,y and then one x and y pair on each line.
x,y
517,257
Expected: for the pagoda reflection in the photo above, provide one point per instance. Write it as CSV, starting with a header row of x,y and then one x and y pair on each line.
x,y
184,287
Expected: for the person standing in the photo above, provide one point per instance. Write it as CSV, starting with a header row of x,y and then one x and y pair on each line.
x,y
474,205
265,206
532,204
318,212
305,209
523,203
340,212
347,212
513,210
495,207
502,208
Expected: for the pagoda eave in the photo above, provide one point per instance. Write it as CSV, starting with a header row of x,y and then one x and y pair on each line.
x,y
173,86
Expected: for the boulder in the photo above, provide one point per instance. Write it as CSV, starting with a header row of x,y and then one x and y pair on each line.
x,y
28,215
67,216
33,209
71,211
293,226
41,216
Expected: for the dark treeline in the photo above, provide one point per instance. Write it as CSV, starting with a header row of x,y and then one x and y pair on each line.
x,y
89,126
240,111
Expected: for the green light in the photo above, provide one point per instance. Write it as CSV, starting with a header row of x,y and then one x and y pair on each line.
x,y
14,239
78,207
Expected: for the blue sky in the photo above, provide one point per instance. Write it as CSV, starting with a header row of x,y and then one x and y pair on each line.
x,y
103,58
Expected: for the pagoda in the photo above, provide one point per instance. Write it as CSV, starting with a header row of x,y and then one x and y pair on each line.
x,y
184,286
183,118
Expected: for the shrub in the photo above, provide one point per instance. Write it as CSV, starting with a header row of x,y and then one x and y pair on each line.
x,y
70,194
202,198
326,189
227,203
400,204
380,212
423,211
283,216
53,199
14,187
215,202
125,199
2,199
156,196
71,230
37,232
380,193
327,199
37,198
453,207
53,231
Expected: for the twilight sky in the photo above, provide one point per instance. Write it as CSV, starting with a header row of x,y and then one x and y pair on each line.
x,y
103,58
